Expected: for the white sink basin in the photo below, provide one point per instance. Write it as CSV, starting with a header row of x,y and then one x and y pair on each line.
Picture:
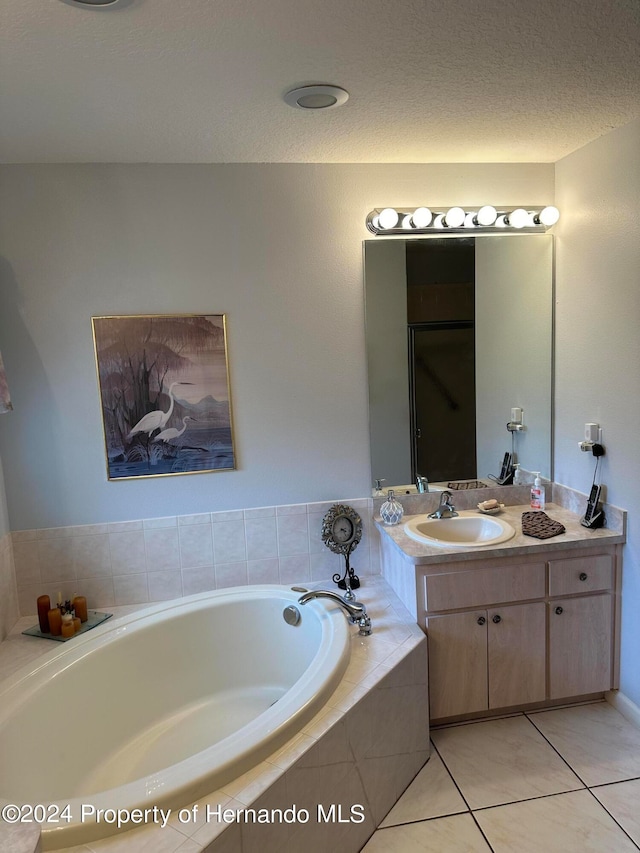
x,y
466,530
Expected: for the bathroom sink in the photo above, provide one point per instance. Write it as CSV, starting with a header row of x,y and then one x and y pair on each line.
x,y
468,529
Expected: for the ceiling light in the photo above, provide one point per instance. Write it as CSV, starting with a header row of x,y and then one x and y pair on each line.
x,y
91,2
316,97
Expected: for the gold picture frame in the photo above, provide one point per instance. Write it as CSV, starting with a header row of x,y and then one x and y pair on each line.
x,y
165,394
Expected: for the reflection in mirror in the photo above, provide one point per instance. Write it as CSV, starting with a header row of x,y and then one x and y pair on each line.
x,y
458,332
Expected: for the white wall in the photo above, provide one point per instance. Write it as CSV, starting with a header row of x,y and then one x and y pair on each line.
x,y
4,512
514,337
388,361
598,343
276,247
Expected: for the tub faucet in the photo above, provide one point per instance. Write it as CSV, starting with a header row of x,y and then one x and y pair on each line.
x,y
355,610
446,509
422,484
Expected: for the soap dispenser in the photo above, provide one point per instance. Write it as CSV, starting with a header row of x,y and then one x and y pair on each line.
x,y
391,511
537,493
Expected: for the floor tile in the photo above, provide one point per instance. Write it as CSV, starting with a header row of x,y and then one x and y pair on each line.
x,y
565,823
455,834
621,801
431,794
596,740
501,761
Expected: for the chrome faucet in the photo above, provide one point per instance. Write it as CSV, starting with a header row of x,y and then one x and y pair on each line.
x,y
422,484
446,509
355,610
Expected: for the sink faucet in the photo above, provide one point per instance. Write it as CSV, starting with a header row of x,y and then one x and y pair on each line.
x,y
355,610
422,484
446,509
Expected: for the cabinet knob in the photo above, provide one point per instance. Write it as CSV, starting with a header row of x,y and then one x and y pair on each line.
x,y
559,610
497,619
481,620
583,576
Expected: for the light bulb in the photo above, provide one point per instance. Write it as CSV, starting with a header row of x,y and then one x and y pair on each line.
x,y
421,217
501,222
407,222
486,215
470,220
548,216
438,222
454,217
518,218
388,218
375,220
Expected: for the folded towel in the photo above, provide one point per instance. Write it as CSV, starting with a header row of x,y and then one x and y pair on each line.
x,y
539,524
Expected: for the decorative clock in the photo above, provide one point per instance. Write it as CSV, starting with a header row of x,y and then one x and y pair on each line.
x,y
341,533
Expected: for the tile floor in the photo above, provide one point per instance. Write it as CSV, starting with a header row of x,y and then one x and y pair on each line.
x,y
560,781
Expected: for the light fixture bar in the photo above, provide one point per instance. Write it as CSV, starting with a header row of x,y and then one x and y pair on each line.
x,y
457,220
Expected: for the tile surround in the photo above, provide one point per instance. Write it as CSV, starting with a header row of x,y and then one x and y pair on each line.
x,y
135,562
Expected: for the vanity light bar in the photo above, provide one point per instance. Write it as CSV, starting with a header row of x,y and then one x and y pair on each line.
x,y
457,220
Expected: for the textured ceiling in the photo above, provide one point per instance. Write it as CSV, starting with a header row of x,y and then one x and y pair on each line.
x,y
201,81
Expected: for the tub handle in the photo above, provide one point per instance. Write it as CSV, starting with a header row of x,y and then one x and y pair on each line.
x,y
291,615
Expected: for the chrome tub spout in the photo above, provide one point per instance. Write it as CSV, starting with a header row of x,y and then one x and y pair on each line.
x,y
355,610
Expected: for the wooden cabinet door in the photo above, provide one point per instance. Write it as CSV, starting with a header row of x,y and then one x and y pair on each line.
x,y
516,654
457,663
580,646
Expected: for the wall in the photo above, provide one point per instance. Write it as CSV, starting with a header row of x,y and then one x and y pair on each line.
x,y
8,593
515,337
278,248
597,342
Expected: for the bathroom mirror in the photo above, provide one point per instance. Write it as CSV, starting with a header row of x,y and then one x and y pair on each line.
x,y
458,333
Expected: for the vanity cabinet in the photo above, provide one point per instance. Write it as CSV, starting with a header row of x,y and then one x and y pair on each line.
x,y
581,628
506,635
485,659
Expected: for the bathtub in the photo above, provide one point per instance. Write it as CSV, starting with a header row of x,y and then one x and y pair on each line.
x,y
161,707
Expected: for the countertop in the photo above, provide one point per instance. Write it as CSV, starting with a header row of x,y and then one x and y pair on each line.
x,y
575,536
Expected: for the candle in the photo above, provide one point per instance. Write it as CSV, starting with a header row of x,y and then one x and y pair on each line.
x,y
68,628
77,624
55,621
59,598
79,604
44,606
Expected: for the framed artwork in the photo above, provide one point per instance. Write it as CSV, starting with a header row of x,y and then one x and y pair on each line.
x,y
164,390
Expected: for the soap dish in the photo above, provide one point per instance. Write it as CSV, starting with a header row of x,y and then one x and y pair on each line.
x,y
492,510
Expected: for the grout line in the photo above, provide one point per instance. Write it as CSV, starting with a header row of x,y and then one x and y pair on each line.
x,y
475,820
529,799
451,775
613,817
542,735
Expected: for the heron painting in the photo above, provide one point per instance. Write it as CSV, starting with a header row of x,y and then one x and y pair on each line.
x,y
165,394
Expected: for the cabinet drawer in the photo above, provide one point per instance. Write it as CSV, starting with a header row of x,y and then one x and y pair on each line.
x,y
480,587
580,574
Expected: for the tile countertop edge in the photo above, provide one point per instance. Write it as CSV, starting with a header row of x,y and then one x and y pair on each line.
x,y
575,537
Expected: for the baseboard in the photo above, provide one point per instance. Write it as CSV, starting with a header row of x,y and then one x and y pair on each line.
x,y
622,703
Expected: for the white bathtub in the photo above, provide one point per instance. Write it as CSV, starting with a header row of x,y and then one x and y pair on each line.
x,y
164,706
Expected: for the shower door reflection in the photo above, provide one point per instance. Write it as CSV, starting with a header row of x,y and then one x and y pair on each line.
x,y
443,400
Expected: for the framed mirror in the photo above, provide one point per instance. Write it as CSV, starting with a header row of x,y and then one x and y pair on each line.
x,y
459,331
